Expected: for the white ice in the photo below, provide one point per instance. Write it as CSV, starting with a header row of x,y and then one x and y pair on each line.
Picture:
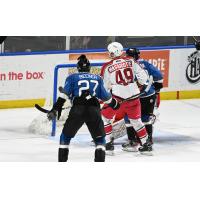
x,y
177,137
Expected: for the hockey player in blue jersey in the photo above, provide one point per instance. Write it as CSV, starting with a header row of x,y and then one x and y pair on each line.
x,y
147,100
83,89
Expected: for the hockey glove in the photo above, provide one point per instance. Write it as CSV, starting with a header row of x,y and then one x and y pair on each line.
x,y
51,115
57,107
114,104
157,86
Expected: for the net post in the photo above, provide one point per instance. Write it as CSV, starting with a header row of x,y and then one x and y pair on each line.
x,y
55,85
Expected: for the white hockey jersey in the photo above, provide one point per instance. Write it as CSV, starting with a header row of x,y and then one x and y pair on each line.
x,y
121,75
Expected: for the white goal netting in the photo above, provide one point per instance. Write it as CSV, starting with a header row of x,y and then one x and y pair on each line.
x,y
42,126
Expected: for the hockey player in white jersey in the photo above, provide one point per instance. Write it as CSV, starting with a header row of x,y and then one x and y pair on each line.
x,y
123,77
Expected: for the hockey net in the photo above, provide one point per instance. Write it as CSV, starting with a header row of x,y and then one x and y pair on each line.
x,y
41,125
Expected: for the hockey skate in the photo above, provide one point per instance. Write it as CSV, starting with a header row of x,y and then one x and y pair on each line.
x,y
99,155
146,149
110,148
130,146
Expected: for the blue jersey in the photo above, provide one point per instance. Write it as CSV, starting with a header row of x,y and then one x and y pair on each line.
x,y
77,83
152,71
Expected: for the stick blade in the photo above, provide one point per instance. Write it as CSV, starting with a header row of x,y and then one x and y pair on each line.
x,y
41,109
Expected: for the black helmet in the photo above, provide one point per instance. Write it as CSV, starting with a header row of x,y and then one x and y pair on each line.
x,y
83,64
133,52
197,45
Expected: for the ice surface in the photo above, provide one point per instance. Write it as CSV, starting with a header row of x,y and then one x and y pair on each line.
x,y
177,137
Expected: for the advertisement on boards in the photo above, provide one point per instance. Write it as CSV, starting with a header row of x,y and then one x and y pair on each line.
x,y
159,58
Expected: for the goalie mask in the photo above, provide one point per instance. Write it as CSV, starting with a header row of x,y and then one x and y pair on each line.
x,y
115,49
133,52
83,64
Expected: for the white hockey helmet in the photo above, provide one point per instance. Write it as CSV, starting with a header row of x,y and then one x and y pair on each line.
x,y
115,49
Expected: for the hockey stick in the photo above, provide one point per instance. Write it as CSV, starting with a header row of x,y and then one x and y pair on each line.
x,y
137,95
61,90
196,44
45,110
41,109
194,39
140,94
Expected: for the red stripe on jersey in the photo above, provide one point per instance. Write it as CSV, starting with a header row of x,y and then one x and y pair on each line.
x,y
108,129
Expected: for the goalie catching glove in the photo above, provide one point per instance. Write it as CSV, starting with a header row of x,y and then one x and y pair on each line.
x,y
56,110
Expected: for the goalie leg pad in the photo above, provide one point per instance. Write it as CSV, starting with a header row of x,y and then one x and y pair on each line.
x,y
119,129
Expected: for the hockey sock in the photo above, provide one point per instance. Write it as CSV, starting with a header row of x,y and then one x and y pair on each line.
x,y
140,129
64,140
100,140
142,134
131,133
149,129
